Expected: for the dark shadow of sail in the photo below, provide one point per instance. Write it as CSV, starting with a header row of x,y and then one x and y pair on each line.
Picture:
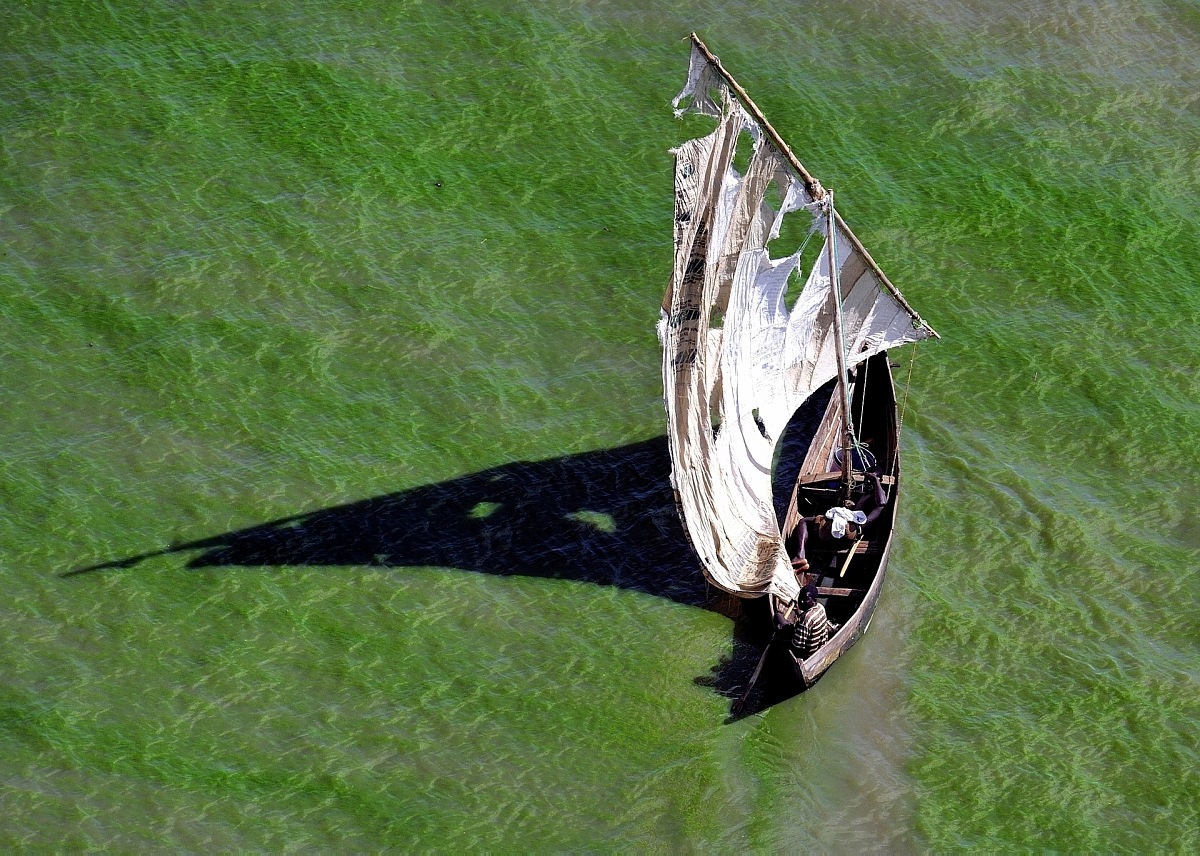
x,y
606,517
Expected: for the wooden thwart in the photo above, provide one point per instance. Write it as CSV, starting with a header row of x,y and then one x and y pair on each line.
x,y
887,481
861,548
834,591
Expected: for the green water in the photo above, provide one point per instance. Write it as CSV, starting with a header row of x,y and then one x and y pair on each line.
x,y
261,262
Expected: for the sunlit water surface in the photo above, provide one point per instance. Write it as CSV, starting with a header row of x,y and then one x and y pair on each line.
x,y
295,289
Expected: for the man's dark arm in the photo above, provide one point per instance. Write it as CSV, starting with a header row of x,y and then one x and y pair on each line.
x,y
802,538
879,496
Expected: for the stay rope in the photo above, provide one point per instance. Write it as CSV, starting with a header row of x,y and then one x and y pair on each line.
x,y
907,384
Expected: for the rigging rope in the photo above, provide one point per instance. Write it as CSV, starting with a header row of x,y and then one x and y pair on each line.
x,y
907,383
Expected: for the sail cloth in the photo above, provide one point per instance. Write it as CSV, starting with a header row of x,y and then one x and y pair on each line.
x,y
737,363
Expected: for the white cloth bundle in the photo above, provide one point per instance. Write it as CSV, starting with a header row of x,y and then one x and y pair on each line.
x,y
842,516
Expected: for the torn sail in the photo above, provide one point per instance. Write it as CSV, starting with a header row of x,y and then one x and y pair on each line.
x,y
737,362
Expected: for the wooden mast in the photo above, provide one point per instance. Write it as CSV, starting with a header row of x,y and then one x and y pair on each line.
x,y
835,287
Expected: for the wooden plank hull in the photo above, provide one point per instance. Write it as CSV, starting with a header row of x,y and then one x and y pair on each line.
x,y
849,633
875,408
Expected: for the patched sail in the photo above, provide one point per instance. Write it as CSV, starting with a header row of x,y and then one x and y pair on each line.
x,y
737,362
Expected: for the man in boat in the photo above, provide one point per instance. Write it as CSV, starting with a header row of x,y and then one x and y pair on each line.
x,y
788,613
840,523
814,629
805,619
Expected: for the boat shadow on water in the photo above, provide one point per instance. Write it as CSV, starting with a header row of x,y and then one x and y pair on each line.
x,y
605,517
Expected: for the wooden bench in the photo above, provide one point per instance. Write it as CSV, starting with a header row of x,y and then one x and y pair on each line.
x,y
836,561
813,478
834,591
837,557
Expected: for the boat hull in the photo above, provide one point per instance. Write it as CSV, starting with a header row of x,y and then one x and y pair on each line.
x,y
854,629
875,402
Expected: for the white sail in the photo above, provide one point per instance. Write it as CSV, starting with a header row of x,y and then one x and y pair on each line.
x,y
737,362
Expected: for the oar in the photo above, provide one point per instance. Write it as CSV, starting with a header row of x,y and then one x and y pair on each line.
x,y
849,556
737,705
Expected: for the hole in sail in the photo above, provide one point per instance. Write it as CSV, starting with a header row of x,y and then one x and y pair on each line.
x,y
792,231
812,252
714,415
743,153
762,426
715,319
695,124
773,197
808,259
795,285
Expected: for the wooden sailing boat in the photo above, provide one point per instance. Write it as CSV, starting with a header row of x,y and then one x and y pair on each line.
x,y
741,369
